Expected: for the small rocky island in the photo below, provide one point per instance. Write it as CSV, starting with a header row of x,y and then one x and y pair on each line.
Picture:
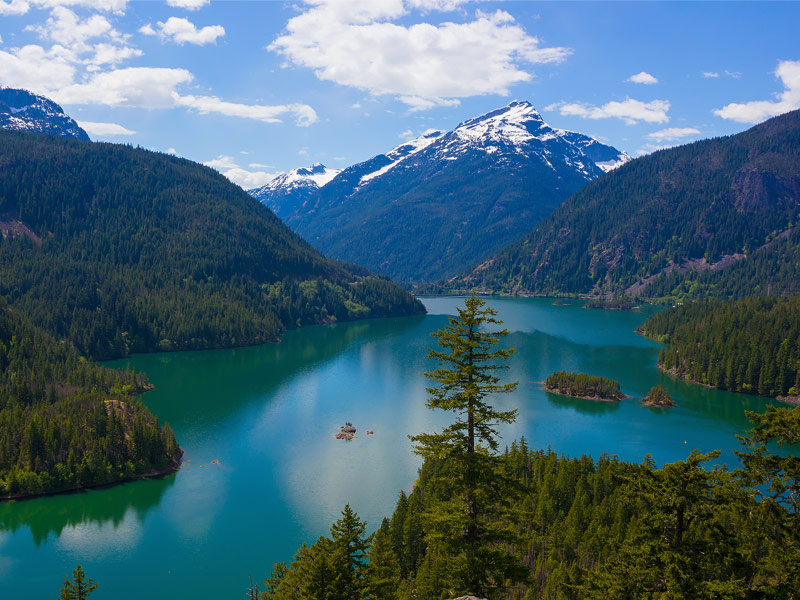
x,y
346,432
658,397
581,385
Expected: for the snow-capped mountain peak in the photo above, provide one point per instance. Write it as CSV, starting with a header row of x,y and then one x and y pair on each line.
x,y
21,110
314,176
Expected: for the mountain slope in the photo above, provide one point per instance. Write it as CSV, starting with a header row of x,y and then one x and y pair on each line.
x,y
125,250
721,213
432,206
288,191
21,110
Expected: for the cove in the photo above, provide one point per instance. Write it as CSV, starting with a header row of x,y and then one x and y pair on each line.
x,y
267,414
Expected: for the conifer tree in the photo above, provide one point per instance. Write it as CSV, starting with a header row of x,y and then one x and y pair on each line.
x,y
463,526
78,588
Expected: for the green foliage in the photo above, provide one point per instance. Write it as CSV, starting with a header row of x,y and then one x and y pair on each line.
x,y
664,217
332,569
124,250
658,396
750,346
463,526
581,385
78,588
67,423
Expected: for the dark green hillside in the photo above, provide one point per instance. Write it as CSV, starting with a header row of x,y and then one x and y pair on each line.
x,y
721,215
67,423
124,250
750,346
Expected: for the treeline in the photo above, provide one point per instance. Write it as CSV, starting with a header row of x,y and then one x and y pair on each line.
x,y
123,250
581,385
67,423
750,346
585,530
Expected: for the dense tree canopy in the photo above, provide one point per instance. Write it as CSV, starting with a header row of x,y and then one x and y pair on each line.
x,y
124,250
67,423
750,346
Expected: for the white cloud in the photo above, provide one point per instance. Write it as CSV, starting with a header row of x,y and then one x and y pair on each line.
x,y
13,7
182,31
423,65
407,135
629,110
734,74
246,179
710,74
643,77
34,68
188,4
104,128
260,166
753,112
145,87
304,114
673,133
172,151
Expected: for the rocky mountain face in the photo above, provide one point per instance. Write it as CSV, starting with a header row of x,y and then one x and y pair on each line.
x,y
21,110
442,202
716,218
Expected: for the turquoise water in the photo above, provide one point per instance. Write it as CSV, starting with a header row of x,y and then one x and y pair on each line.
x,y
267,415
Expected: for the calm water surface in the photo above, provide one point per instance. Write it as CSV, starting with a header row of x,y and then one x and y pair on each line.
x,y
267,415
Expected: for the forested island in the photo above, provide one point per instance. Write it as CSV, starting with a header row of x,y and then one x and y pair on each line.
x,y
581,385
67,423
750,346
658,397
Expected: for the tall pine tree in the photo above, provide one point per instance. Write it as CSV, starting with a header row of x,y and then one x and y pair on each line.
x,y
463,520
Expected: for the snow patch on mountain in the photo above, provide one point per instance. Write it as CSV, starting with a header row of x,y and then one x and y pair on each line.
x,y
314,176
21,110
402,152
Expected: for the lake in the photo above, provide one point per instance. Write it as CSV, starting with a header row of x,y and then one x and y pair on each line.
x,y
263,473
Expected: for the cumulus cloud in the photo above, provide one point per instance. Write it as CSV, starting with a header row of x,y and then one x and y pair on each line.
x,y
104,128
672,134
13,7
631,111
34,68
183,31
423,65
21,7
643,77
246,179
753,112
188,4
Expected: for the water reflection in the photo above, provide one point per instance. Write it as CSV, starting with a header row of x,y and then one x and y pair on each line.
x,y
102,507
581,405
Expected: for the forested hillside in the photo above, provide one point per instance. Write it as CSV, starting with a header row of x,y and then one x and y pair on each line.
x,y
121,250
716,218
67,423
750,346
584,530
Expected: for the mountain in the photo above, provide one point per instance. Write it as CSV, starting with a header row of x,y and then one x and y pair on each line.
x,y
124,250
21,110
716,218
288,191
432,206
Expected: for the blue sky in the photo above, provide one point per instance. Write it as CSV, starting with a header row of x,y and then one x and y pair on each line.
x,y
255,88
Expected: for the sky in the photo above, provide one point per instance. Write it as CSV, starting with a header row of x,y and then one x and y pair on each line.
x,y
254,88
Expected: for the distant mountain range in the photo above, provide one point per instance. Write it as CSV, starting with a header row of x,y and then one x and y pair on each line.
x,y
21,110
716,218
433,206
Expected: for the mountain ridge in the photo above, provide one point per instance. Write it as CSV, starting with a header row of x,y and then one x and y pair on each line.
x,y
499,173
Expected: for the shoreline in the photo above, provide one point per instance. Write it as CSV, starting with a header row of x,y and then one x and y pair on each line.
x,y
173,468
594,398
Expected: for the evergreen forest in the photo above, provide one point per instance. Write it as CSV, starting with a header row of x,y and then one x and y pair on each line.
x,y
750,346
67,423
123,250
581,385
